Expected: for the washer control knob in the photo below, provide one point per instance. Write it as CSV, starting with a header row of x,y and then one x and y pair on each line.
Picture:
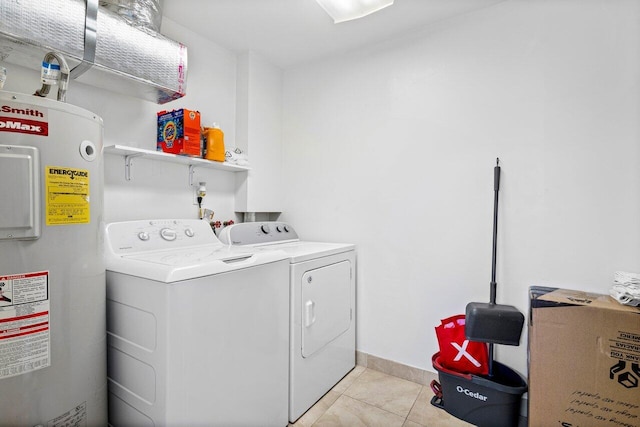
x,y
143,235
168,234
279,228
265,229
285,228
189,232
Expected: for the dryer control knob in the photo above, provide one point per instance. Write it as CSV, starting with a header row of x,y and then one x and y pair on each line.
x,y
265,229
168,234
282,228
143,235
189,232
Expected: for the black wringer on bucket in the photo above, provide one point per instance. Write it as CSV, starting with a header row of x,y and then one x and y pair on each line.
x,y
491,400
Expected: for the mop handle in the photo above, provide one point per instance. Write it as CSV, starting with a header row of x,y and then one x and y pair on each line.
x,y
492,297
496,189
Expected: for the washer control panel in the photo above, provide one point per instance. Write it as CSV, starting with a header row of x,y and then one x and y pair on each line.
x,y
256,233
147,235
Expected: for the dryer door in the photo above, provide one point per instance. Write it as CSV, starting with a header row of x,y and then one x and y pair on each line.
x,y
326,305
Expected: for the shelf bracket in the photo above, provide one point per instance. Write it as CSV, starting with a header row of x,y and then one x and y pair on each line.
x,y
128,163
191,171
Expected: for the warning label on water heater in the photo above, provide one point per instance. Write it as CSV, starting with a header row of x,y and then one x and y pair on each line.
x,y
67,195
25,343
76,417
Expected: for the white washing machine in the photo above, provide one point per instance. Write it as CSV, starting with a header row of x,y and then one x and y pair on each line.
x,y
197,331
322,310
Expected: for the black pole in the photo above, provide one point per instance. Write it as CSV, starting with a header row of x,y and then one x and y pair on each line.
x,y
492,295
496,189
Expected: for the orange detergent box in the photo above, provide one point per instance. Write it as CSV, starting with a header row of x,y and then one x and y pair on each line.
x,y
179,132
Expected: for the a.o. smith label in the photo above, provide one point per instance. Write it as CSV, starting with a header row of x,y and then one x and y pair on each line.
x,y
23,118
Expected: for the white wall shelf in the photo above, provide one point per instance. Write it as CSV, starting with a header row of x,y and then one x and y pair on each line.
x,y
129,153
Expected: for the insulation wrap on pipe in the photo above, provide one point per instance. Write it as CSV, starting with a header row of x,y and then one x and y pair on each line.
x,y
129,59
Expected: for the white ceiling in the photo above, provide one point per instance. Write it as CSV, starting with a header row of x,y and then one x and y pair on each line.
x,y
290,32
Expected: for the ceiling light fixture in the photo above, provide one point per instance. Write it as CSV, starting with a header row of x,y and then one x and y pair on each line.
x,y
346,10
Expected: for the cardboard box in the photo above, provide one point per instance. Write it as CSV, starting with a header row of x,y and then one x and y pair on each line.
x,y
584,358
179,132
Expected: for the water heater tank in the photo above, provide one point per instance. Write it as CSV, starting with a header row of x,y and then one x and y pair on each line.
x,y
52,275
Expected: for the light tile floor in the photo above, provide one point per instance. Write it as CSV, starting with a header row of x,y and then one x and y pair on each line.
x,y
370,398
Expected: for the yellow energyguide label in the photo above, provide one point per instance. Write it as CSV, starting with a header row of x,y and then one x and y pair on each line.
x,y
67,195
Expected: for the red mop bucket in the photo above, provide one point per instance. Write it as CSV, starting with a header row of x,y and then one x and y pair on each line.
x,y
483,401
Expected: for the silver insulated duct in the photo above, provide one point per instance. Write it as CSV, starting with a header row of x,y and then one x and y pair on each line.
x,y
101,47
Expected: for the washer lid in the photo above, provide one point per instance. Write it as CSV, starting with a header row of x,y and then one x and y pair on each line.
x,y
174,250
189,257
171,266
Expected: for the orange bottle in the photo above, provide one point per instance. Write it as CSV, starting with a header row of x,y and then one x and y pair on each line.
x,y
215,143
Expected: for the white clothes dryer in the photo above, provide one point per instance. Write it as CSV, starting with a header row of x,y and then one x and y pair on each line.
x,y
322,307
197,331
